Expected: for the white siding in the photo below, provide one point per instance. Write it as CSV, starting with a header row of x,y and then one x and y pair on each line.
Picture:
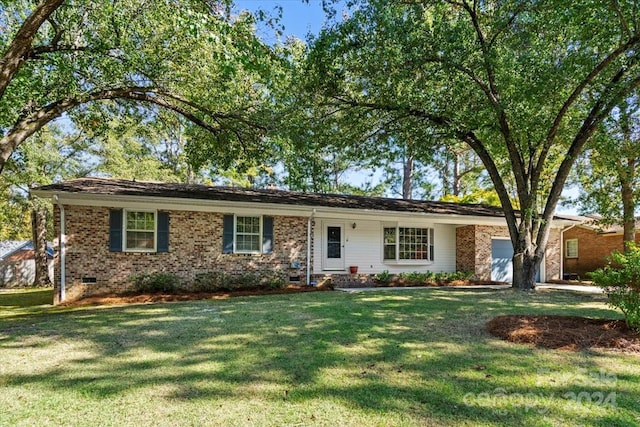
x,y
363,246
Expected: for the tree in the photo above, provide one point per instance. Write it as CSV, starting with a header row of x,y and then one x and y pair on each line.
x,y
612,161
50,155
525,84
189,57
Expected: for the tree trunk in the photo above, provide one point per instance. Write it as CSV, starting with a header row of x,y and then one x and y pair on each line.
x,y
456,175
525,266
39,231
628,206
407,178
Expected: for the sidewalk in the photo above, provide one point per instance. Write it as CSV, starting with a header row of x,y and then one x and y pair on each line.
x,y
574,288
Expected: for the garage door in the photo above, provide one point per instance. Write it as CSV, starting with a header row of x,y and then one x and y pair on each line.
x,y
502,261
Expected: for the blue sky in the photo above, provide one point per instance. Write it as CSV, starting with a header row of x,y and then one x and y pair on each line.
x,y
298,17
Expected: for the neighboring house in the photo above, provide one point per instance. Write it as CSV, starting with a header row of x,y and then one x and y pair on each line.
x,y
587,245
113,229
18,265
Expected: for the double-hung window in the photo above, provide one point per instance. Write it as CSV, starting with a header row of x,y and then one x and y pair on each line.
x,y
140,231
248,234
243,234
408,243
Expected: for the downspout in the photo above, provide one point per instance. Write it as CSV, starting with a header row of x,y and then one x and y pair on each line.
x,y
309,221
562,249
63,250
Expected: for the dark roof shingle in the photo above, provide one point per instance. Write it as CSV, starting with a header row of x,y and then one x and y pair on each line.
x,y
118,187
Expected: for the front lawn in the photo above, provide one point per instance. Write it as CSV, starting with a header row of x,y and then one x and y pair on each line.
x,y
410,357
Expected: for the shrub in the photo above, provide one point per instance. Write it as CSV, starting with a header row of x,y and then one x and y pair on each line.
x,y
621,282
156,282
212,281
247,280
383,277
275,279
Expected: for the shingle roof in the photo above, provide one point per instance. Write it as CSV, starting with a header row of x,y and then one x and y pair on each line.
x,y
118,187
8,247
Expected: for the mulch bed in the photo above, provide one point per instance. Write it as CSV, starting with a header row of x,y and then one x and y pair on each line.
x,y
566,332
187,296
453,283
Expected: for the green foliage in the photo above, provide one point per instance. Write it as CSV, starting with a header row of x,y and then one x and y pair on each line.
x,y
383,277
215,281
212,281
156,282
274,279
432,278
620,279
170,52
524,84
607,172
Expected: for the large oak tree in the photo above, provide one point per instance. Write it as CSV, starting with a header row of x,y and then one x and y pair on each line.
x,y
524,83
190,57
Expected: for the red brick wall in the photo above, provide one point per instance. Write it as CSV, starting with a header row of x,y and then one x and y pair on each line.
x,y
466,248
195,246
473,250
593,249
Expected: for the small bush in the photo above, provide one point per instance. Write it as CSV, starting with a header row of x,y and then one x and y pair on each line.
x,y
155,282
212,281
275,279
383,277
621,282
247,280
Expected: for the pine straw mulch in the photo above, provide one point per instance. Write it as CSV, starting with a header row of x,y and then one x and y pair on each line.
x,y
571,333
109,299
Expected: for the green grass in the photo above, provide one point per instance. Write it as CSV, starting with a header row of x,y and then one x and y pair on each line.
x,y
409,357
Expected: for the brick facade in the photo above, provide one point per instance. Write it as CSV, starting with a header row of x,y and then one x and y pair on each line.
x,y
593,249
473,250
195,246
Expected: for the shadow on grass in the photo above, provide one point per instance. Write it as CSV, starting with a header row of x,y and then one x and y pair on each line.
x,y
24,298
422,355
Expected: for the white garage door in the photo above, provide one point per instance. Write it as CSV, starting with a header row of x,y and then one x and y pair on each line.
x,y
502,261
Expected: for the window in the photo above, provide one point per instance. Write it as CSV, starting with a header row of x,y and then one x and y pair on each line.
x,y
571,248
408,243
248,234
140,231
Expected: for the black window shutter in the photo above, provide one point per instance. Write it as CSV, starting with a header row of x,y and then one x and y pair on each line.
x,y
115,230
163,231
227,234
267,234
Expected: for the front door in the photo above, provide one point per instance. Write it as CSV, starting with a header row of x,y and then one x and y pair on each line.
x,y
333,256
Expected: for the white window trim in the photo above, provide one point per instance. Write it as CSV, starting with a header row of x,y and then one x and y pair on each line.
x,y
155,231
235,234
397,260
566,248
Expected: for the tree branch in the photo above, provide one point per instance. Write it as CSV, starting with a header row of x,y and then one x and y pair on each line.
x,y
596,115
18,49
34,121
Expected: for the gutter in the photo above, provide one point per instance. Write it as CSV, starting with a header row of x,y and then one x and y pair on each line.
x,y
63,250
309,221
